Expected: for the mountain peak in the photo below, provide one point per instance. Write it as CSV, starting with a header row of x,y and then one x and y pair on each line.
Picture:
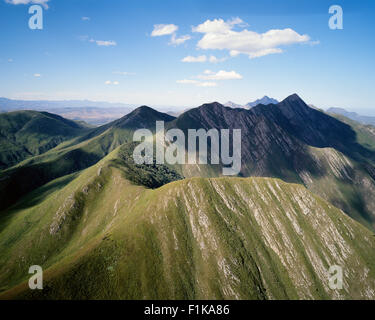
x,y
212,105
142,109
233,105
293,98
142,117
265,101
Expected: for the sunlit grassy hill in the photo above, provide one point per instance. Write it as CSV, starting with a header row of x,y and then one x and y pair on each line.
x,y
98,235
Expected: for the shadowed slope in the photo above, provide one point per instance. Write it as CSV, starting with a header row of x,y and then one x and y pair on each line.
x,y
24,134
299,144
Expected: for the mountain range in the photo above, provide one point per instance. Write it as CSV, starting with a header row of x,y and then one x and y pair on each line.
x,y
95,113
104,227
352,115
91,112
12,105
264,101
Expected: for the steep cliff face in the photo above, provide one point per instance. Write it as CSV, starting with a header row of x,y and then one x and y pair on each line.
x,y
234,238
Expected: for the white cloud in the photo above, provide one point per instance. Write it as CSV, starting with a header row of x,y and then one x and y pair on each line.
x,y
41,2
86,18
163,30
220,35
197,83
115,83
217,26
203,58
213,59
169,29
37,75
191,59
10,60
104,43
177,41
210,75
220,75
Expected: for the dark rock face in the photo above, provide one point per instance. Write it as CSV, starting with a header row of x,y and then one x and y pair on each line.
x,y
296,143
142,117
318,129
277,134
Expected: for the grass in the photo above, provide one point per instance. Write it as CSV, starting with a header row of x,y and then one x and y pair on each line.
x,y
24,134
185,240
103,227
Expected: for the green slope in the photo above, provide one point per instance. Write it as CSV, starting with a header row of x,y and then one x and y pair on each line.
x,y
24,134
365,132
99,236
73,155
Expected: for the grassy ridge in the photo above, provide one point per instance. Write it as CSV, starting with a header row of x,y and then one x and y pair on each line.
x,y
24,134
99,236
79,152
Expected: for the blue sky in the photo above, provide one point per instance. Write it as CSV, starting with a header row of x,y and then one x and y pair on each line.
x,y
133,51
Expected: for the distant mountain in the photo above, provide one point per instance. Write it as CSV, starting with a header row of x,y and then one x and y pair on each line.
x,y
265,101
92,112
353,115
92,115
10,104
233,105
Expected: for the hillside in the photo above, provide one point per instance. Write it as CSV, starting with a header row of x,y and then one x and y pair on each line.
x,y
98,236
290,141
365,133
24,134
366,120
73,155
